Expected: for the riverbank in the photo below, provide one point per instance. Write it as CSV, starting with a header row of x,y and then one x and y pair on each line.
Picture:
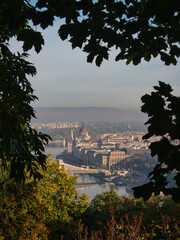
x,y
91,185
128,179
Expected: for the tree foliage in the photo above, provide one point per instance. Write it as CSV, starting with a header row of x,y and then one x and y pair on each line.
x,y
151,209
163,110
21,147
137,29
40,209
118,217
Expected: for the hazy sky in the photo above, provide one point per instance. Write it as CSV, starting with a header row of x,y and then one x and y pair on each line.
x,y
65,79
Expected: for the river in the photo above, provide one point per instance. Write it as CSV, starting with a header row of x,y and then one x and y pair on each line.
x,y
86,183
54,151
92,186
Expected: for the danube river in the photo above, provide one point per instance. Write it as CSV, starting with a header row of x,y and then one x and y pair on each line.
x,y
54,151
92,186
87,183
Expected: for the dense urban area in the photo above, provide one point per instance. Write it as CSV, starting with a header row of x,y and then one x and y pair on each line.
x,y
122,157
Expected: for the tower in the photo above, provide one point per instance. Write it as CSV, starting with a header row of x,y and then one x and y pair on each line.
x,y
72,134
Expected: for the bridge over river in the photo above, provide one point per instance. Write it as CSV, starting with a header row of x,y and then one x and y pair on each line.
x,y
83,186
75,169
92,184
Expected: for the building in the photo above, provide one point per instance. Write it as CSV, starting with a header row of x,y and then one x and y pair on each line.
x,y
96,151
102,159
115,156
83,134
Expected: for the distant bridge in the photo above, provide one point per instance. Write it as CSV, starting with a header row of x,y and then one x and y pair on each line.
x,y
81,186
75,169
84,170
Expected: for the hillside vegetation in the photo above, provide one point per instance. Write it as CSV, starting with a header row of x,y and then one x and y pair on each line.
x,y
52,209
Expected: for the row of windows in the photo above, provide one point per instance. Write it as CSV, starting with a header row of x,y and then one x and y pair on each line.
x,y
118,155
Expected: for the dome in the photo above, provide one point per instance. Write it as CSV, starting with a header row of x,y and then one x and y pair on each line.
x,y
83,130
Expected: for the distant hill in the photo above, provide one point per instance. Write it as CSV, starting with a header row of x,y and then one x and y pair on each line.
x,y
87,114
